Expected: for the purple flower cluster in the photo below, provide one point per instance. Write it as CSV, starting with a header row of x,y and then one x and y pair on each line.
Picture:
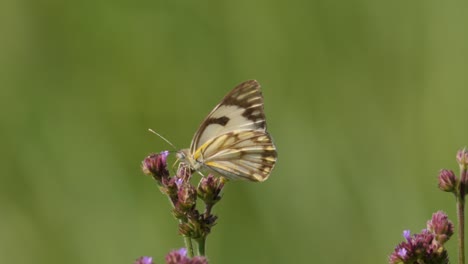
x,y
183,195
175,257
427,246
180,257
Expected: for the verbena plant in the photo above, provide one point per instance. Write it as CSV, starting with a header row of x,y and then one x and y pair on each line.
x,y
427,247
194,224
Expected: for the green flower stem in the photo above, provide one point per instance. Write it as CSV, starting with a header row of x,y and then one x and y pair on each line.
x,y
461,212
461,229
187,240
201,246
188,246
202,241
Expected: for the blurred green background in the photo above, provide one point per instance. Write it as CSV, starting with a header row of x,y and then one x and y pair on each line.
x,y
366,101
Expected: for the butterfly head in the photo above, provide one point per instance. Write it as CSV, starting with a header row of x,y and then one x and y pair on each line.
x,y
185,157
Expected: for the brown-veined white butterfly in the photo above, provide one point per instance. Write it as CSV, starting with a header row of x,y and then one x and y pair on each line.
x,y
232,140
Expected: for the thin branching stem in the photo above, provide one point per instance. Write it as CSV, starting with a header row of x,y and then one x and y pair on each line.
x,y
202,241
461,230
187,240
461,215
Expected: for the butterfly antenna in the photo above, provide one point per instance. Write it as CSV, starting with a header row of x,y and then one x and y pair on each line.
x,y
163,138
173,165
175,162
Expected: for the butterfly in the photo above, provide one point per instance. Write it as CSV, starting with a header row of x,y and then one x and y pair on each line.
x,y
232,140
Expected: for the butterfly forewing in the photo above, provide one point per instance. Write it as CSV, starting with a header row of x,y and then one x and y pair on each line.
x,y
241,109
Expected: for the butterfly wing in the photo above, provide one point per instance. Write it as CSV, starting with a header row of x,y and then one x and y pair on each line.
x,y
241,109
240,154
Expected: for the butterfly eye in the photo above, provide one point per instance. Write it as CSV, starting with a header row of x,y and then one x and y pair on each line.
x,y
180,155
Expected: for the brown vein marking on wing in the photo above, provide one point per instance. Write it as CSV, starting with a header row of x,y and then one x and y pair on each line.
x,y
255,160
248,98
250,155
236,169
236,141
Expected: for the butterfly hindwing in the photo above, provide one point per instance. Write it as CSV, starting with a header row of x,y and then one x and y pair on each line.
x,y
247,154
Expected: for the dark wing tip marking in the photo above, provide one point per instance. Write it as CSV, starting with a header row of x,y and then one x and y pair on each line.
x,y
248,96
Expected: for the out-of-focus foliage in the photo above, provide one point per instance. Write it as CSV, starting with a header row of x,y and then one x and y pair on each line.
x,y
366,101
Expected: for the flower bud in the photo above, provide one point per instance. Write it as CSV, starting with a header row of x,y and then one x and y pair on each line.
x,y
440,226
190,226
407,235
180,257
187,196
462,158
184,172
144,260
209,189
156,165
170,188
177,257
447,181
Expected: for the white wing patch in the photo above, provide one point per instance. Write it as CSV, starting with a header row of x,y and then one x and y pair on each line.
x,y
235,121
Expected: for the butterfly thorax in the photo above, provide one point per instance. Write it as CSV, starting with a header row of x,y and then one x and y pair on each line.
x,y
185,156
